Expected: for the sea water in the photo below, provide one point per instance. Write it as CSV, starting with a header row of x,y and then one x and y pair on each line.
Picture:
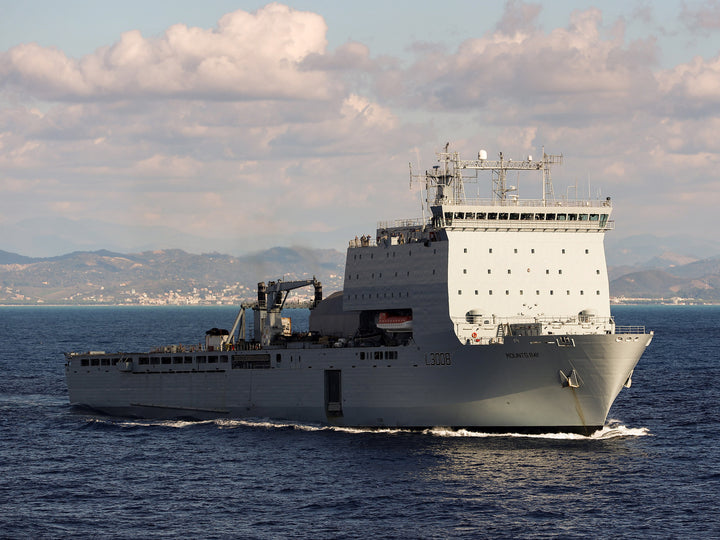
x,y
654,471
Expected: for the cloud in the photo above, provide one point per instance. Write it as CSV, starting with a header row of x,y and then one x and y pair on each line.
x,y
701,17
697,83
575,69
247,56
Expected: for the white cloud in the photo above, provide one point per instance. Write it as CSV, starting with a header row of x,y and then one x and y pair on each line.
x,y
249,55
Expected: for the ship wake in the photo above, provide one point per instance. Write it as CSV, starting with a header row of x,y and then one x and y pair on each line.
x,y
612,430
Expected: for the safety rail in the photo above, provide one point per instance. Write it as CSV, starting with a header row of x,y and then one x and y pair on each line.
x,y
630,330
538,203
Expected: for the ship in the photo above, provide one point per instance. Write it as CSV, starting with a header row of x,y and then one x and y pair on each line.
x,y
491,314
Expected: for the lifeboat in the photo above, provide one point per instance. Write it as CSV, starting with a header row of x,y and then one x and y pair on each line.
x,y
394,323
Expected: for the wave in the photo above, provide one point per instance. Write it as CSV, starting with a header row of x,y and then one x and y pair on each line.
x,y
612,430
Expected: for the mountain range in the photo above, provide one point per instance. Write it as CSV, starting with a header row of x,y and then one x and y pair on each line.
x,y
642,268
160,276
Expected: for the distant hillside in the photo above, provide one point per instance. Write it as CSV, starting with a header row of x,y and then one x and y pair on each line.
x,y
164,276
699,281
653,268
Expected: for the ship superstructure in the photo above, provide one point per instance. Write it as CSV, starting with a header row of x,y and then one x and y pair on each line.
x,y
486,313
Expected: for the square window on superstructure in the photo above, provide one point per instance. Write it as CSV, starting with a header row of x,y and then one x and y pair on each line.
x,y
559,271
476,292
464,270
489,271
515,250
464,250
490,292
587,251
459,291
490,250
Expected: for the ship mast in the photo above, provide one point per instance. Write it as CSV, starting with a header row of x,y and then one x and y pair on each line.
x,y
500,167
446,179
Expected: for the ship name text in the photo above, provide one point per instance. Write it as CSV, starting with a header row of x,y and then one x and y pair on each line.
x,y
522,355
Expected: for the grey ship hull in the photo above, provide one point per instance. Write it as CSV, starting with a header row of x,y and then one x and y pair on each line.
x,y
515,386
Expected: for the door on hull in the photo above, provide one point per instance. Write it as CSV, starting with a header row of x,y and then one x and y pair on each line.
x,y
333,393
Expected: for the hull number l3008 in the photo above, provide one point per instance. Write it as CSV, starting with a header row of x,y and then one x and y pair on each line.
x,y
438,359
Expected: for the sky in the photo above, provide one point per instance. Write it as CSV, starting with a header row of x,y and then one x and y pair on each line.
x,y
235,126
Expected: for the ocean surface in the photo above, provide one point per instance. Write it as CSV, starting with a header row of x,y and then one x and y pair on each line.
x,y
654,471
